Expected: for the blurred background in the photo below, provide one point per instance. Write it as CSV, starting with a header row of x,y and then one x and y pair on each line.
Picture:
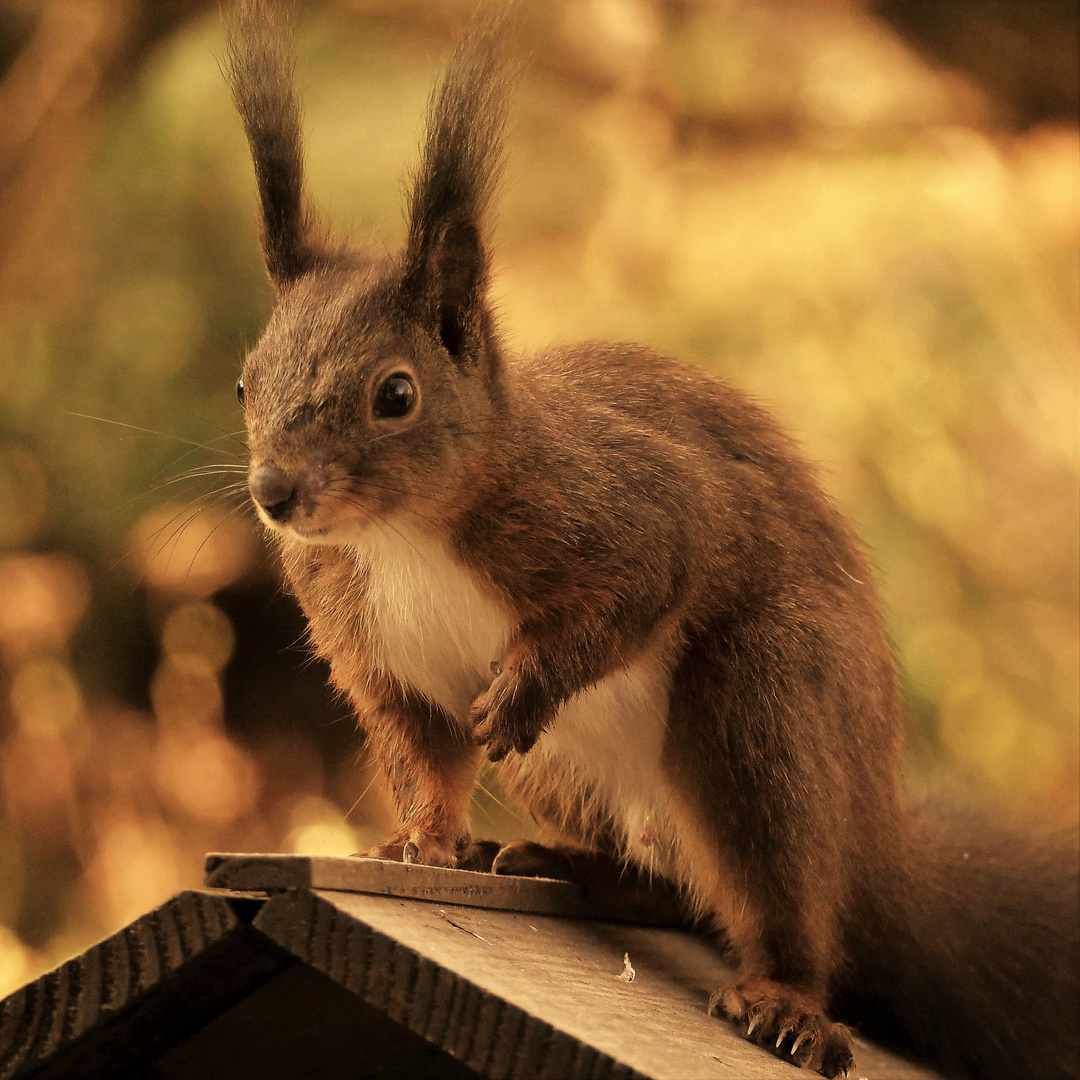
x,y
864,212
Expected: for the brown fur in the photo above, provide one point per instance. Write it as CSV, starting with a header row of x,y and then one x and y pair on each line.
x,y
624,515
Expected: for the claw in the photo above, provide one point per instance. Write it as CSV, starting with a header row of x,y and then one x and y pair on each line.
x,y
753,1024
410,853
797,1043
784,1032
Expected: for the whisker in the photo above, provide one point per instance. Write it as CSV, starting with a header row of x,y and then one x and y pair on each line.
x,y
228,434
494,798
350,811
197,474
150,431
173,537
229,490
206,540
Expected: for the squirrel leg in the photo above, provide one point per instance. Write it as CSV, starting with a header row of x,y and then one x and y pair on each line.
x,y
431,766
761,818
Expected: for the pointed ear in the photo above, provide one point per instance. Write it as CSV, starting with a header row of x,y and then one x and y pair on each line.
x,y
446,263
259,68
447,286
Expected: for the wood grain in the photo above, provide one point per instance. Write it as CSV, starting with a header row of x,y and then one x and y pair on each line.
x,y
519,996
510,995
466,888
144,988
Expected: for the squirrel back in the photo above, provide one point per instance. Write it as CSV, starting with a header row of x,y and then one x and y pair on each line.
x,y
617,579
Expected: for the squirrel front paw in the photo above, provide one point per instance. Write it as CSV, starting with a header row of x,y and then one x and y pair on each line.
x,y
509,715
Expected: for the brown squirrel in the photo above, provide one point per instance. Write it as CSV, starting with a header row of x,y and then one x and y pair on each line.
x,y
616,577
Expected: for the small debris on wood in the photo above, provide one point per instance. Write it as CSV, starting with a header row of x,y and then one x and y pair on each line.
x,y
628,974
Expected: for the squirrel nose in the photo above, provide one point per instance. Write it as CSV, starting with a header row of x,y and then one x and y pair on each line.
x,y
273,489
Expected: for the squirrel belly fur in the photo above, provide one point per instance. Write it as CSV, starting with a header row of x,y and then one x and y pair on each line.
x,y
614,577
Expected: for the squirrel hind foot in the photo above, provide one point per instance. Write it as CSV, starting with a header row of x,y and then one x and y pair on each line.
x,y
524,858
787,1023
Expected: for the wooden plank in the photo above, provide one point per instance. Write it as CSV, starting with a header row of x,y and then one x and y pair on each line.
x,y
466,888
111,1008
564,1010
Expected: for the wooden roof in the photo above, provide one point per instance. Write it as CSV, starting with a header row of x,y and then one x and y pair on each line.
x,y
275,975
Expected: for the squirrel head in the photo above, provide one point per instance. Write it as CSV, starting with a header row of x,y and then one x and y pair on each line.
x,y
377,380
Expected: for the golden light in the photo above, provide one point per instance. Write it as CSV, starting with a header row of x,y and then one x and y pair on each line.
x,y
139,863
16,963
45,596
46,699
198,638
317,827
205,776
23,496
185,698
194,550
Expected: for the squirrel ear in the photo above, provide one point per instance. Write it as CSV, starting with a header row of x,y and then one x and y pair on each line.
x,y
259,68
447,285
446,263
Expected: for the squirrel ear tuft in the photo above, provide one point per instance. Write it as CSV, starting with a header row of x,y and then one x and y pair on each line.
x,y
259,68
446,262
451,284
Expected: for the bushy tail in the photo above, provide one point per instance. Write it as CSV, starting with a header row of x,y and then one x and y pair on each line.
x,y
967,950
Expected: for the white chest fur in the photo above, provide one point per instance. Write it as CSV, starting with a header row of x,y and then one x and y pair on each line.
x,y
430,623
433,626
612,736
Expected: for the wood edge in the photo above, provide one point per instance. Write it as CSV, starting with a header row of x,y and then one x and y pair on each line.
x,y
239,872
271,872
386,877
43,1019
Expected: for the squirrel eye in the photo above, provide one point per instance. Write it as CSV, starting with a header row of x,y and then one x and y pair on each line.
x,y
395,397
240,390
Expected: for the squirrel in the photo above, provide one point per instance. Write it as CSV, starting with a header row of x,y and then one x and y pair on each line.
x,y
617,579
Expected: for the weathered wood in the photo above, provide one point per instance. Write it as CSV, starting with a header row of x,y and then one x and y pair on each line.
x,y
138,991
523,996
382,877
296,983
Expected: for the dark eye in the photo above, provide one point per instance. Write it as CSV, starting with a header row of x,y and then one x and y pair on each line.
x,y
240,390
395,397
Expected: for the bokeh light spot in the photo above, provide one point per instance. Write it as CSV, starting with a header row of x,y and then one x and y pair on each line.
x,y
23,496
193,550
206,777
185,698
45,698
15,961
198,638
317,827
44,597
